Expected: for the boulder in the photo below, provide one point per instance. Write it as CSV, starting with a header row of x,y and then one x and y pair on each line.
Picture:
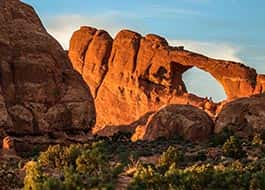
x,y
58,117
244,116
8,146
23,122
184,121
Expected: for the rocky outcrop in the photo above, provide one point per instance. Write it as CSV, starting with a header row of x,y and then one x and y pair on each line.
x,y
133,75
245,116
8,146
39,90
260,86
184,121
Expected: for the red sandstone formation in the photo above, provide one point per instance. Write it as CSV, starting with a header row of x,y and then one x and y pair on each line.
x,y
185,121
245,116
260,85
8,146
132,76
39,90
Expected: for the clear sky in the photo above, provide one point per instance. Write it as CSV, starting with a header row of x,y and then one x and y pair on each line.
x,y
227,29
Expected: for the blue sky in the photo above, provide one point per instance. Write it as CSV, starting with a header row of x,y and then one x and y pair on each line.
x,y
227,29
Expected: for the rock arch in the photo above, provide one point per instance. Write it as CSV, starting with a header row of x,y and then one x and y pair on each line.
x,y
204,85
134,75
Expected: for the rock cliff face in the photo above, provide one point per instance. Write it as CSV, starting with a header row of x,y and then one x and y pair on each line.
x,y
39,90
133,75
260,86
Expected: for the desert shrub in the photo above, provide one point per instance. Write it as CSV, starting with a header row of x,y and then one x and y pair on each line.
x,y
51,183
75,180
233,148
170,156
257,140
97,166
235,175
258,165
52,156
94,167
195,177
34,177
257,181
74,167
34,153
92,161
58,156
147,177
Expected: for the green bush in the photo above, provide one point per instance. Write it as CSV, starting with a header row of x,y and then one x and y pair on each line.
x,y
257,140
233,148
76,166
235,175
198,177
170,156
34,177
147,177
92,161
58,156
51,183
34,153
51,157
257,181
96,166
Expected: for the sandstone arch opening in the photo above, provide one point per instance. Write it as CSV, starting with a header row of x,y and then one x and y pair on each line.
x,y
203,84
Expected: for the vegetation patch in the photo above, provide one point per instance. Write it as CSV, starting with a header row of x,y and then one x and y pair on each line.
x,y
117,163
